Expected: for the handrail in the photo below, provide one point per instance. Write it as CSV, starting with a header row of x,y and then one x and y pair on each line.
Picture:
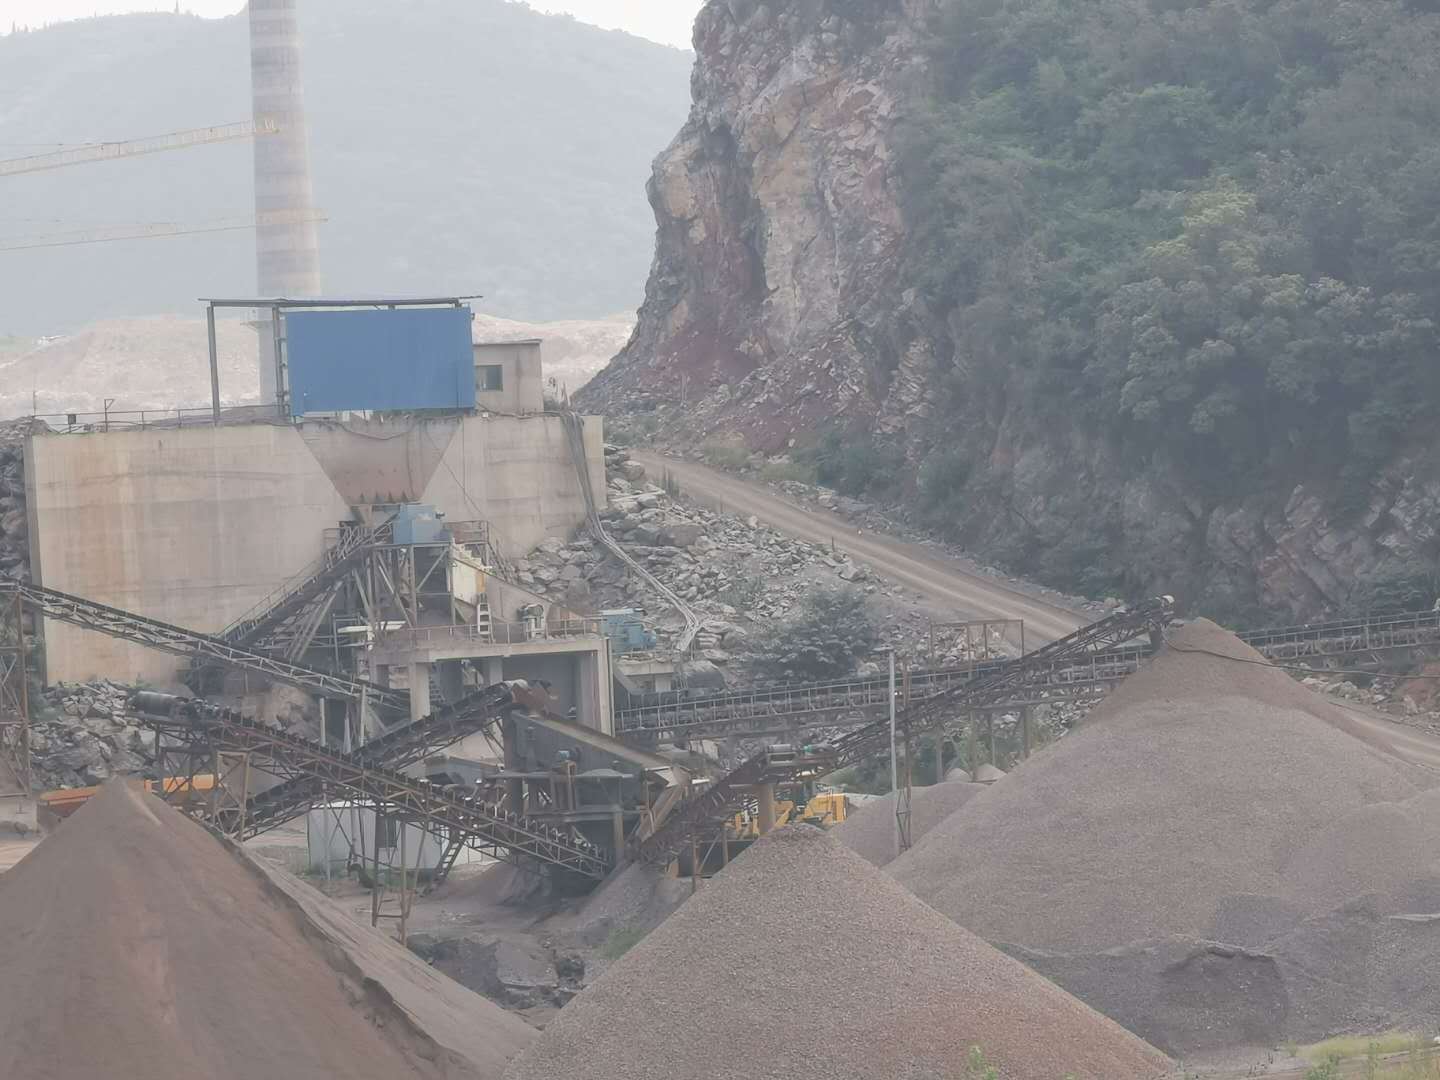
x,y
350,542
673,708
499,633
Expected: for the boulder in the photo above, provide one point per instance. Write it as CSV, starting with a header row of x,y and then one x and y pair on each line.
x,y
683,536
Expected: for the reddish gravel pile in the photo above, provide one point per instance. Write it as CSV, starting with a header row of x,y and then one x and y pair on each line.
x,y
801,960
869,831
138,948
1206,799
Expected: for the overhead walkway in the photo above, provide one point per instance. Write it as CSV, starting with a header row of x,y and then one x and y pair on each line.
x,y
781,710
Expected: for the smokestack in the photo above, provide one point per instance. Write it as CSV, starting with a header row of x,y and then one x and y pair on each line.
x,y
287,251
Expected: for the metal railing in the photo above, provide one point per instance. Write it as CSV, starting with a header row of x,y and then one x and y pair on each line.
x,y
1346,636
84,423
498,633
346,546
684,714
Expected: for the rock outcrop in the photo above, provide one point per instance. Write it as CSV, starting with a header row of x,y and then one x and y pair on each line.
x,y
772,302
780,303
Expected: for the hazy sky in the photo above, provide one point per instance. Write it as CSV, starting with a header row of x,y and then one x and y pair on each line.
x,y
660,20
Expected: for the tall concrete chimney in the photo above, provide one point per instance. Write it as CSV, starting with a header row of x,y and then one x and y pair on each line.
x,y
287,250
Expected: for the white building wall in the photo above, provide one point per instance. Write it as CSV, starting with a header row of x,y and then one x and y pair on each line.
x,y
335,832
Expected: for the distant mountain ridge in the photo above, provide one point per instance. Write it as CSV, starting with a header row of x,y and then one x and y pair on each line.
x,y
457,146
158,363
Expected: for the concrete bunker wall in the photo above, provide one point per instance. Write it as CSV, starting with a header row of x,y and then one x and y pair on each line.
x,y
195,525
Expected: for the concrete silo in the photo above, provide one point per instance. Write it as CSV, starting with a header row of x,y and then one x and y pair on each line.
x,y
287,250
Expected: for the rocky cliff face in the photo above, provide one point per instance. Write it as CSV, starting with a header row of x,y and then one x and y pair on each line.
x,y
772,301
778,303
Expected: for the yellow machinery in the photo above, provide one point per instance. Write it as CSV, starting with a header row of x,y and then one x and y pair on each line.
x,y
824,810
743,829
63,802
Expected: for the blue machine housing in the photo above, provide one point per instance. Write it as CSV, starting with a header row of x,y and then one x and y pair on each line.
x,y
625,629
417,524
388,359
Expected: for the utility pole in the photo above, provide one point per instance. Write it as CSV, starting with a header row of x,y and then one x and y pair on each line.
x,y
894,759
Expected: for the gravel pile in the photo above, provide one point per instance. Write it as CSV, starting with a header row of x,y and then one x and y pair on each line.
x,y
634,901
1204,800
802,960
870,830
139,948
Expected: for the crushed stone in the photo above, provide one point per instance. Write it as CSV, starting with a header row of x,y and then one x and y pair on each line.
x,y
802,960
870,830
140,948
1203,800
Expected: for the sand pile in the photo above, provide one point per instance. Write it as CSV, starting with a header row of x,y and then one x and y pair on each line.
x,y
1204,800
139,948
870,830
802,960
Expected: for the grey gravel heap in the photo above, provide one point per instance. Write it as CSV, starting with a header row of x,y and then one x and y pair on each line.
x,y
801,960
869,831
1185,811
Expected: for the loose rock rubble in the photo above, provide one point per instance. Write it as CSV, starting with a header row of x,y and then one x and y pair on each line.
x,y
14,527
735,572
82,735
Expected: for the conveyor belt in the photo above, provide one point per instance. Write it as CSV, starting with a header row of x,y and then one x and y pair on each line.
x,y
203,729
128,626
723,798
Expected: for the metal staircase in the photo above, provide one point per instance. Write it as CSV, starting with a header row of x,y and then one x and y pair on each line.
x,y
723,798
199,731
270,618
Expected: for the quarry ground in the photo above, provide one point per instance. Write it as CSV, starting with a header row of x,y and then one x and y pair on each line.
x,y
943,579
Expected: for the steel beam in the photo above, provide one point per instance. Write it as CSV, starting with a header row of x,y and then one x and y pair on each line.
x,y
513,838
142,630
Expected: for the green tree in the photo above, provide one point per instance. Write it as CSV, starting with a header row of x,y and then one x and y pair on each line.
x,y
826,637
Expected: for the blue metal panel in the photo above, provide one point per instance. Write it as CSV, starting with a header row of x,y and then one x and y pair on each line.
x,y
417,524
407,358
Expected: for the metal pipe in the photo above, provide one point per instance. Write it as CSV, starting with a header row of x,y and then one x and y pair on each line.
x,y
214,365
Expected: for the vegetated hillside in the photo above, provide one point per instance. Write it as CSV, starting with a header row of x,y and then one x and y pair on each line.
x,y
1126,294
457,146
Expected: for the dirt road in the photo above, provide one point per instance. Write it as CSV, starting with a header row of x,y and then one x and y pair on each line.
x,y
948,582
945,581
1412,744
